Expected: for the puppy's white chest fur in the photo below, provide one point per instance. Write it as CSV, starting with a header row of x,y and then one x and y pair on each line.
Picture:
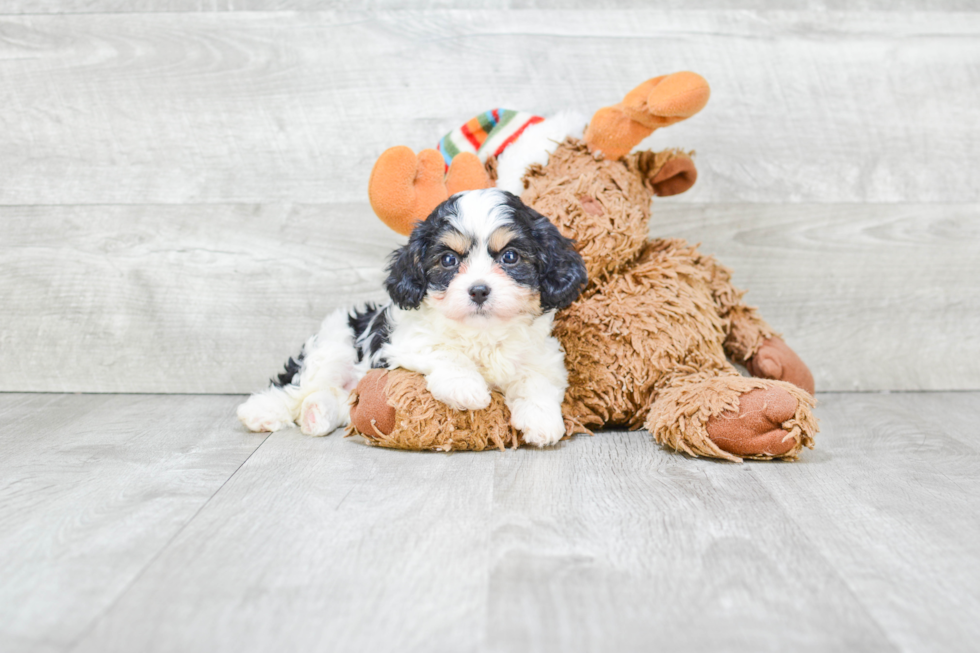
x,y
463,361
500,351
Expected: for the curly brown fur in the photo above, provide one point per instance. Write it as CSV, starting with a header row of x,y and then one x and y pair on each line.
x,y
645,344
601,204
679,417
745,327
655,320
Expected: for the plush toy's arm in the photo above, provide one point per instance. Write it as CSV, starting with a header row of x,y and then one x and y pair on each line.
x,y
750,340
746,328
393,409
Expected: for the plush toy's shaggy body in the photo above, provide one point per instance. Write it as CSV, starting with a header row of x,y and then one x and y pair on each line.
x,y
646,343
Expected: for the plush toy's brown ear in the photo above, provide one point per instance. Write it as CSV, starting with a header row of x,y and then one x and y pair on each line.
x,y
668,172
675,177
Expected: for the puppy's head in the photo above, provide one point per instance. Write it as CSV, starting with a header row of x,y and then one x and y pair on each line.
x,y
484,254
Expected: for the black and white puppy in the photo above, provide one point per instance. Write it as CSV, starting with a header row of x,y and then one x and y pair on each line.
x,y
473,294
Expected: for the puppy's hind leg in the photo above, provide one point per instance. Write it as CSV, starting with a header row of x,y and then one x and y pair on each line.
x,y
323,411
331,369
314,389
268,410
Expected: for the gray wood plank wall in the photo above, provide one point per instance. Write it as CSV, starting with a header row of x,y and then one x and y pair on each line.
x,y
182,195
169,6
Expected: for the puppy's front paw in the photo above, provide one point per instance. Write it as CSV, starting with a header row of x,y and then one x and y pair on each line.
x,y
460,391
540,423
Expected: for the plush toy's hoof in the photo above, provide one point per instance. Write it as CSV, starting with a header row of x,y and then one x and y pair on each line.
x,y
370,412
733,417
775,360
405,188
756,430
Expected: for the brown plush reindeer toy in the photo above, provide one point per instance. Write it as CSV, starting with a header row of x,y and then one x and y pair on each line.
x,y
646,342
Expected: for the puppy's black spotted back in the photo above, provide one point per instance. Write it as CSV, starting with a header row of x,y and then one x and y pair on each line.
x,y
292,369
372,329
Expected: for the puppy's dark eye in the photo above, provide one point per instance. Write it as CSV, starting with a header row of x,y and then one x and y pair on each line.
x,y
449,260
510,257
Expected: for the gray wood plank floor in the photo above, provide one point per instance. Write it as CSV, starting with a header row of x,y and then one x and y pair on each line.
x,y
156,523
92,488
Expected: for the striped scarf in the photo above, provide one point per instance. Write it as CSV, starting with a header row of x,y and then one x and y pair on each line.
x,y
486,135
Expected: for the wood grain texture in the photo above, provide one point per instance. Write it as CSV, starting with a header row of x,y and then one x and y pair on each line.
x,y
603,543
321,544
613,544
890,500
92,488
148,6
255,107
144,299
213,298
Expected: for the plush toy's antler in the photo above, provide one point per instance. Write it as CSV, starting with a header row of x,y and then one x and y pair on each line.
x,y
655,103
405,188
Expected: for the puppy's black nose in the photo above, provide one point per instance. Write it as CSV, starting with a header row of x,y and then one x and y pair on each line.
x,y
479,293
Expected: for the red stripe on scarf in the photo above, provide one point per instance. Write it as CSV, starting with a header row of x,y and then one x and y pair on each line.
x,y
513,137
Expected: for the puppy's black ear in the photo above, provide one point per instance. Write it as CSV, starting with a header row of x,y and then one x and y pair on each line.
x,y
561,270
406,283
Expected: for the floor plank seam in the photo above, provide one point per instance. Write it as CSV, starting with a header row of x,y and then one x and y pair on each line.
x,y
95,621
